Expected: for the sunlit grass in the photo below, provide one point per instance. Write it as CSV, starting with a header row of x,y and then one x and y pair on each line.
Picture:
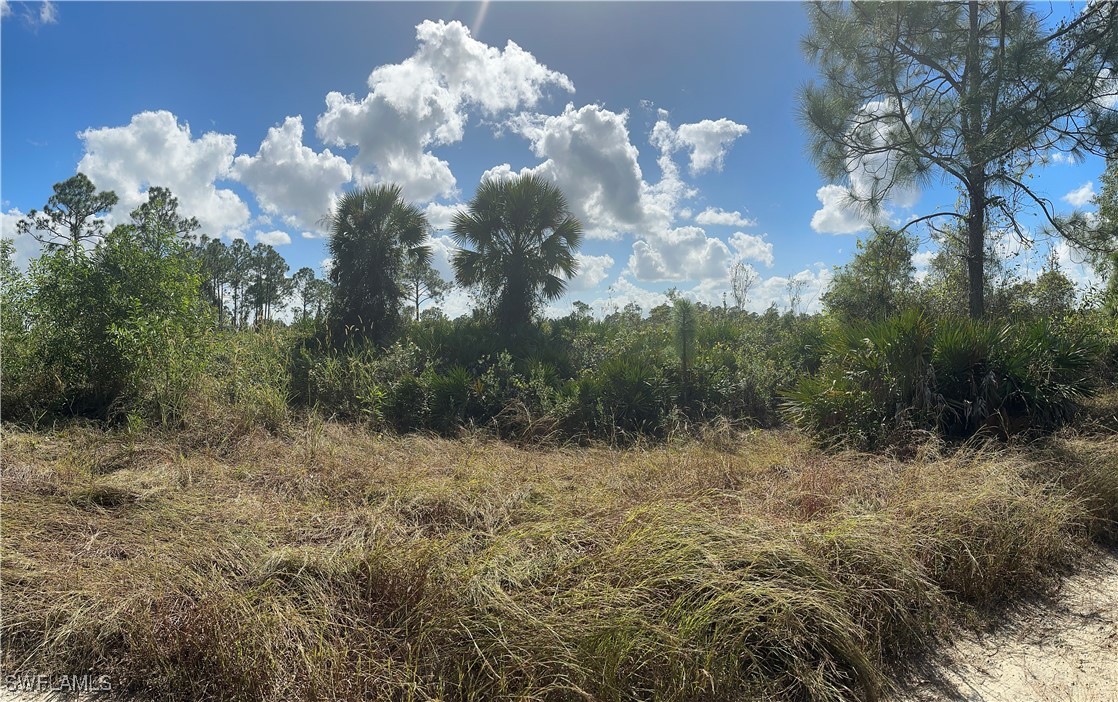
x,y
325,562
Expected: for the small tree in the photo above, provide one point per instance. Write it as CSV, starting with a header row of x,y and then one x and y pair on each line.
x,y
878,281
742,279
1107,202
373,235
795,287
216,265
240,269
945,288
69,219
116,331
424,284
15,343
302,284
319,294
270,287
686,327
1053,293
158,219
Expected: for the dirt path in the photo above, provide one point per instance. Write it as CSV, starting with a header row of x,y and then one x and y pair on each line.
x,y
1065,649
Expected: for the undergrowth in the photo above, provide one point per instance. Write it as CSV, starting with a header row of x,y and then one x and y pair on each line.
x,y
322,562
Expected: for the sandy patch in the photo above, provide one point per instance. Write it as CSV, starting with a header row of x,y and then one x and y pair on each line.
x,y
1064,648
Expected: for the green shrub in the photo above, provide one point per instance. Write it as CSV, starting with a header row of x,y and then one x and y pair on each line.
x,y
107,334
450,394
246,377
405,407
359,381
632,393
883,380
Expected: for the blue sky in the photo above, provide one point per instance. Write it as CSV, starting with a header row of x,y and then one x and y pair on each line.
x,y
671,127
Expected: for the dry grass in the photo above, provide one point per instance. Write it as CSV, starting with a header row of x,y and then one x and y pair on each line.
x,y
326,563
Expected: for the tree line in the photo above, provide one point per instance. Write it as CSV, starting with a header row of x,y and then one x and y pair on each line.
x,y
122,323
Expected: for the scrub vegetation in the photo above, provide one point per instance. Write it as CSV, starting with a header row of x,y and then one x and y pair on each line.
x,y
224,480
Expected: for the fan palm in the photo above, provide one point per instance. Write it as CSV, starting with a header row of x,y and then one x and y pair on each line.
x,y
373,234
518,241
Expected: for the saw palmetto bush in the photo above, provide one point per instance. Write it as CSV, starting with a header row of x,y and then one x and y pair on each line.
x,y
452,393
633,394
876,378
956,377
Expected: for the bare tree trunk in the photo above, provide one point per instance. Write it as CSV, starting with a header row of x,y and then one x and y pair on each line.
x,y
976,173
976,250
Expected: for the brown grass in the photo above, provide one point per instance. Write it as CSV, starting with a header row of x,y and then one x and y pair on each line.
x,y
327,563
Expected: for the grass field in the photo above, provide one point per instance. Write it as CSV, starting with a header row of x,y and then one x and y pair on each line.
x,y
321,562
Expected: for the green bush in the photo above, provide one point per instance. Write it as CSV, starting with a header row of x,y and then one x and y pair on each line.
x,y
360,382
633,394
405,406
450,396
881,381
246,381
109,334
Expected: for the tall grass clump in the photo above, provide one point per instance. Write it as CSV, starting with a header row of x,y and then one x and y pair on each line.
x,y
245,385
882,381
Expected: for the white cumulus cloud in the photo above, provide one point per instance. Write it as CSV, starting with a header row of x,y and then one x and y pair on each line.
x,y
840,214
767,292
775,290
441,216
589,155
1074,265
752,248
719,217
273,238
846,209
153,149
592,270
1082,195
590,158
922,261
290,179
1061,157
682,253
623,292
27,247
424,102
442,248
708,141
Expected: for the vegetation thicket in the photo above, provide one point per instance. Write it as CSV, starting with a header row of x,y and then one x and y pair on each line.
x,y
143,326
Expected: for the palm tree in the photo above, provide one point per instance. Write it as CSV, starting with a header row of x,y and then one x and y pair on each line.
x,y
518,243
373,234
